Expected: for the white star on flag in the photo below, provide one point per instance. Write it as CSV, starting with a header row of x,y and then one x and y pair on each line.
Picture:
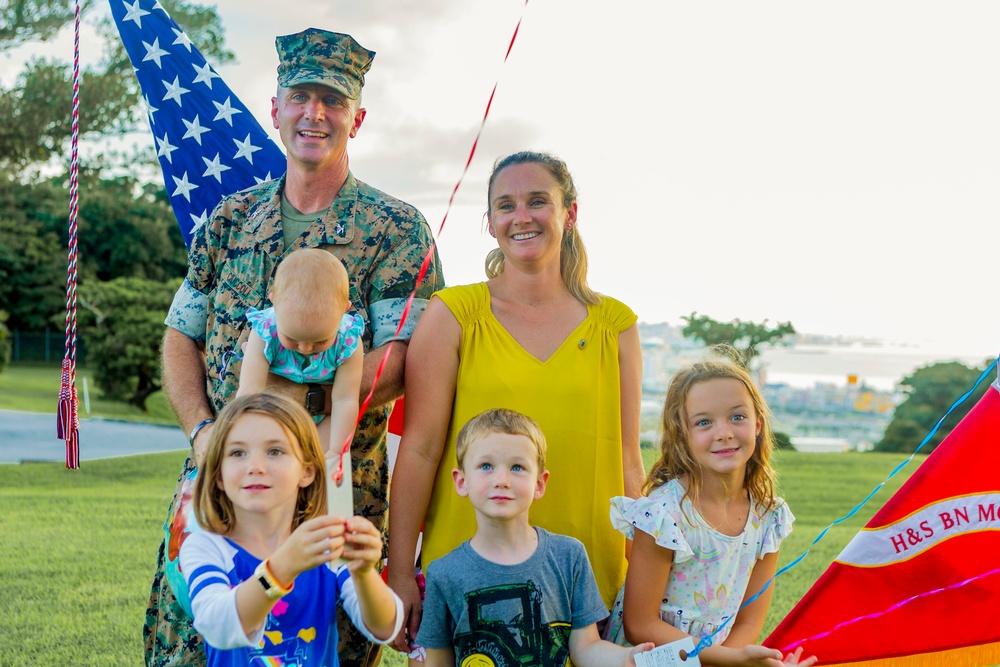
x,y
134,14
200,172
166,148
198,220
154,52
184,187
205,75
246,149
194,129
226,112
215,168
175,90
182,39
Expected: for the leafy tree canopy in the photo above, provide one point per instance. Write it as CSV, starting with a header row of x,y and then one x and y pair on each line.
x,y
931,390
126,226
23,21
121,321
125,229
36,109
745,337
783,441
4,341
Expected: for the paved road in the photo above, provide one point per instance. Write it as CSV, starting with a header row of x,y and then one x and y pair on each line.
x,y
29,436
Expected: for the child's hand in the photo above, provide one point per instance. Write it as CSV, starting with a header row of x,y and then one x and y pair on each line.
x,y
793,659
759,656
363,545
641,648
313,543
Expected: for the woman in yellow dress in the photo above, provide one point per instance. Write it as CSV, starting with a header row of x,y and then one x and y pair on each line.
x,y
536,339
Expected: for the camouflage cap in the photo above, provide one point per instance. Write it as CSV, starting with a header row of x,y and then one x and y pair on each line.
x,y
318,56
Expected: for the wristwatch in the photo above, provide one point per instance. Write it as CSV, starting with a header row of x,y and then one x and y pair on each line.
x,y
315,399
272,589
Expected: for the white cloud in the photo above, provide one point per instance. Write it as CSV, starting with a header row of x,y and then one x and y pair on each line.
x,y
830,164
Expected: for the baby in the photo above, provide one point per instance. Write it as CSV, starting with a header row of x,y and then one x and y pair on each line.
x,y
308,337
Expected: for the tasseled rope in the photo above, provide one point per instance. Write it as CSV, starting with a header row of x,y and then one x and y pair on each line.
x,y
67,417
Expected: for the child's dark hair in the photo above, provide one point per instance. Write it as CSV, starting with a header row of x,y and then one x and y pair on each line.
x,y
212,506
504,421
676,459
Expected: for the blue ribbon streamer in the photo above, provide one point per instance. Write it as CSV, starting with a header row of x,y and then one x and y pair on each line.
x,y
705,642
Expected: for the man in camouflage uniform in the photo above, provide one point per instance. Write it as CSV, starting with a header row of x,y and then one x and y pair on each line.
x,y
318,203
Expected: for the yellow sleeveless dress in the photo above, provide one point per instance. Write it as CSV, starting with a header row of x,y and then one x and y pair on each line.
x,y
574,396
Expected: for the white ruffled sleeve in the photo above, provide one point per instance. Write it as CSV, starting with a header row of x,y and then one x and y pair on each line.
x,y
657,515
777,526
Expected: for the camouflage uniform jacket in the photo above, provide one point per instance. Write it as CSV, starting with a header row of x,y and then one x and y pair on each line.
x,y
381,241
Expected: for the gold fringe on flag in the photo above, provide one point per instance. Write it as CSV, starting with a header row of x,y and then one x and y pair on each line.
x,y
983,655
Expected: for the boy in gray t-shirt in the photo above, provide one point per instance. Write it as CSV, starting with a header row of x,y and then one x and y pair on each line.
x,y
513,594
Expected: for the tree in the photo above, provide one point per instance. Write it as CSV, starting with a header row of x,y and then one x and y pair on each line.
x,y
125,229
32,261
121,321
24,21
36,108
783,441
4,341
931,390
745,337
126,226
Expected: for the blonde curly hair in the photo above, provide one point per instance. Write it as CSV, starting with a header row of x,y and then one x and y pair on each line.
x,y
676,459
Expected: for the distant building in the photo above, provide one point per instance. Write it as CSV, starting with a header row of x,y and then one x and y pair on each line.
x,y
826,416
817,445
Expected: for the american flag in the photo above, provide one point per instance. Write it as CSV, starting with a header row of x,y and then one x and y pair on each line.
x,y
208,144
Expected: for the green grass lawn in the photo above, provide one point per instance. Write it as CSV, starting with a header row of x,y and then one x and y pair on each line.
x,y
34,387
78,547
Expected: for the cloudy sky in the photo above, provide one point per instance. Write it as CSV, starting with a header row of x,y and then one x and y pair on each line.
x,y
832,164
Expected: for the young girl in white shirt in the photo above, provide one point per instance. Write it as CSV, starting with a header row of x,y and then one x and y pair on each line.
x,y
707,529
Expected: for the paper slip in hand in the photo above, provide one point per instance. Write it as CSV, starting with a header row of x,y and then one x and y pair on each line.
x,y
339,499
669,655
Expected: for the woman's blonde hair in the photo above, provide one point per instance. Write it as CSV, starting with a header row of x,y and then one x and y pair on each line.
x,y
676,459
212,506
312,279
572,254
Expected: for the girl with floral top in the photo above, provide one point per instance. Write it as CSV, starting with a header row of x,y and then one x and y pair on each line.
x,y
707,529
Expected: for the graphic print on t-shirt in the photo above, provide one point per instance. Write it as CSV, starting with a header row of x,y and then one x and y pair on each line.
x,y
506,629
